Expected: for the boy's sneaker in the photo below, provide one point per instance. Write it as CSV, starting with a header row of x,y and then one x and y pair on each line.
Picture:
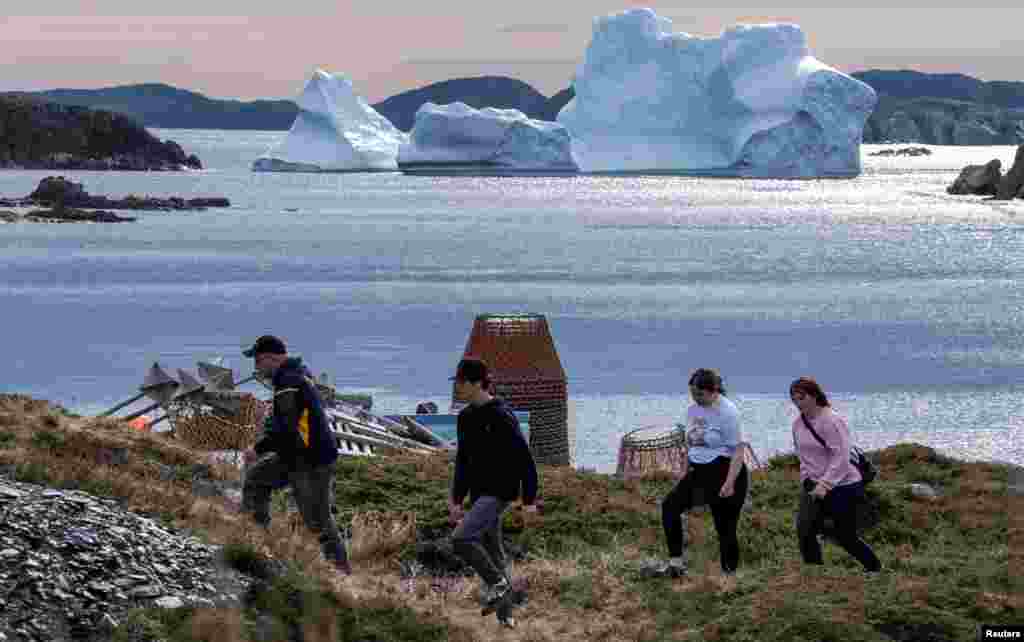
x,y
494,593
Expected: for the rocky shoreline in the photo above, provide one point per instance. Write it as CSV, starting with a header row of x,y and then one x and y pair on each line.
x,y
65,201
988,179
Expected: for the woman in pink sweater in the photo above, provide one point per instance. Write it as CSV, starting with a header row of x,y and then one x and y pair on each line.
x,y
831,485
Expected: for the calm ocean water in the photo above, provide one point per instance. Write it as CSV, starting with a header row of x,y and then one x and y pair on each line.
x,y
904,302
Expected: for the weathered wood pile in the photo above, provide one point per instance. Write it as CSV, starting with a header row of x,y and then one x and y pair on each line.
x,y
208,412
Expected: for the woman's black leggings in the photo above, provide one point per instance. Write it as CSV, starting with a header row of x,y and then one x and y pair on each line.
x,y
841,505
701,486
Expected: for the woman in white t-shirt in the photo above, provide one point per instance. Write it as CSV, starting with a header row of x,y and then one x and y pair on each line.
x,y
713,473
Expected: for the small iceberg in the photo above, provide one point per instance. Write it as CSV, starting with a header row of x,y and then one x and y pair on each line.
x,y
334,131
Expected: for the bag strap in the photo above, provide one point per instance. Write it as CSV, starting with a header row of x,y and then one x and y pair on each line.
x,y
816,435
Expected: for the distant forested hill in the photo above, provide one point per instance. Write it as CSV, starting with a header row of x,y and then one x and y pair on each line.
x,y
157,105
486,91
914,84
945,109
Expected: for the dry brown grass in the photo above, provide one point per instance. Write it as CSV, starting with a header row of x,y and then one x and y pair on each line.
x,y
221,625
377,534
1015,539
911,453
916,588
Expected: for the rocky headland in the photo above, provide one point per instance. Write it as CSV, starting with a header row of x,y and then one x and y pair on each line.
x,y
62,200
35,134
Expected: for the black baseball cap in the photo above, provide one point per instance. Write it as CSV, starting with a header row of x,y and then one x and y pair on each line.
x,y
266,343
471,370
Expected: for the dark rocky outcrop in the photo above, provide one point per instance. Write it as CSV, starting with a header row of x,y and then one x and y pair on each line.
x,y
70,215
40,135
1012,185
980,180
61,194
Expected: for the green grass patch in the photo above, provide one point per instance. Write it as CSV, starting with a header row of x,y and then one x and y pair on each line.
x,y
48,440
32,473
154,625
292,601
7,439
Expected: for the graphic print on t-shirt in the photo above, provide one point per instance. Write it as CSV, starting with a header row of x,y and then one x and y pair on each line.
x,y
695,434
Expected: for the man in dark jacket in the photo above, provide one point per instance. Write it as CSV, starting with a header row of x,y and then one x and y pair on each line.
x,y
493,464
301,449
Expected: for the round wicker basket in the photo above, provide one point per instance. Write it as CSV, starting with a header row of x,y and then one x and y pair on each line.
x,y
652,449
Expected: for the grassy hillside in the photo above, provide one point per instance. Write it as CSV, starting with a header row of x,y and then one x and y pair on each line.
x,y
951,562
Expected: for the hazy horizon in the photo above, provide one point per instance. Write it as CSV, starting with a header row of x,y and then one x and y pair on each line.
x,y
387,47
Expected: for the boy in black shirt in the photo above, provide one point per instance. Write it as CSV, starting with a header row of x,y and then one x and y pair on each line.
x,y
492,464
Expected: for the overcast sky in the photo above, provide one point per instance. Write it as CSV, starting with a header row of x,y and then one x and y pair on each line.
x,y
388,46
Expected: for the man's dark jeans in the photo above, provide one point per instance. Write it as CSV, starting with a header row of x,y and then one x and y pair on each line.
x,y
477,540
312,488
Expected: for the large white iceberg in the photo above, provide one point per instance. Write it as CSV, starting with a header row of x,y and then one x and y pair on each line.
x,y
335,130
750,102
457,138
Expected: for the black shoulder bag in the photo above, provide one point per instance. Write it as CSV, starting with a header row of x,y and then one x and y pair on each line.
x,y
868,471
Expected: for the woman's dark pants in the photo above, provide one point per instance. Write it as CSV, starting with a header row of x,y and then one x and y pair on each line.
x,y
701,486
840,504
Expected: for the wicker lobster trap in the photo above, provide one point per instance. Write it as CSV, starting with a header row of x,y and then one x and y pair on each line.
x,y
528,375
652,449
212,426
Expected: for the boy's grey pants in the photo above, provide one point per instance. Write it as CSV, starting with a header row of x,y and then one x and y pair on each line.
x,y
313,491
477,540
